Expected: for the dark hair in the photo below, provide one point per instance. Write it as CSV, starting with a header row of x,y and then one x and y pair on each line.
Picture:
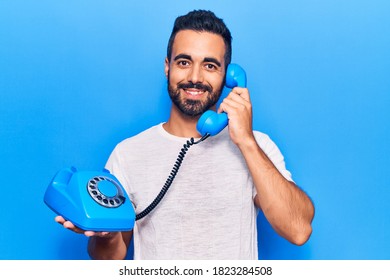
x,y
202,20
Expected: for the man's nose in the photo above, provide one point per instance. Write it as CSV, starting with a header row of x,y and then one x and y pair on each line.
x,y
195,74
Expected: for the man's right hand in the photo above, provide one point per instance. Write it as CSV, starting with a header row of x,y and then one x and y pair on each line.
x,y
69,225
102,245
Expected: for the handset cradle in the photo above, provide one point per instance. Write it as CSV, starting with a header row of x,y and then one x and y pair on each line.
x,y
212,123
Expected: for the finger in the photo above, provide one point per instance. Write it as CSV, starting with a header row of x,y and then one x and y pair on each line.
x,y
239,95
236,101
242,92
90,233
234,104
59,219
69,225
239,98
229,107
107,234
227,103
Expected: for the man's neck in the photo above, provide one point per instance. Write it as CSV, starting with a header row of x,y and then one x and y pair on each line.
x,y
181,125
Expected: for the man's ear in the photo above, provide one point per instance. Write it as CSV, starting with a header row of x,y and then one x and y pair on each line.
x,y
166,68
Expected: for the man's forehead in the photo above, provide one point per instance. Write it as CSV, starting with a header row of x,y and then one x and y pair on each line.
x,y
204,43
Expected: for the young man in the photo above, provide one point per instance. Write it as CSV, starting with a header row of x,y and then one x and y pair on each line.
x,y
211,207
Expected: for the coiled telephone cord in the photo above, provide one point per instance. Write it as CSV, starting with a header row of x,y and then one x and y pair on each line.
x,y
171,177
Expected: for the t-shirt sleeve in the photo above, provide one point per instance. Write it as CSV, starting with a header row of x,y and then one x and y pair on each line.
x,y
113,165
273,153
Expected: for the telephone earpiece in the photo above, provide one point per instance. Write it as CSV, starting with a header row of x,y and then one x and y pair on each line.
x,y
212,123
235,76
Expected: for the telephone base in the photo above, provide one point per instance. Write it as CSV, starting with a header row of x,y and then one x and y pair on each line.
x,y
91,200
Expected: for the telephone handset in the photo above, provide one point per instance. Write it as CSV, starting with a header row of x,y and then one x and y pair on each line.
x,y
211,122
95,200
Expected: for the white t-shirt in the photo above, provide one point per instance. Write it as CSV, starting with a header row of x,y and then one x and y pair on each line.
x,y
208,212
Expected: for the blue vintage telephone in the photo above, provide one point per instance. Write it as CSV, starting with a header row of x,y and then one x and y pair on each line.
x,y
90,200
211,122
97,201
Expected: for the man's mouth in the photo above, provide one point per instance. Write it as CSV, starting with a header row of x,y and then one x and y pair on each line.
x,y
194,90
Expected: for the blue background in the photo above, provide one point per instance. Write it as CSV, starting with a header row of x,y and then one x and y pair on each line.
x,y
76,77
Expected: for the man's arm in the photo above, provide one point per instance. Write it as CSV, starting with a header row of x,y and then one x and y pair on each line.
x,y
288,209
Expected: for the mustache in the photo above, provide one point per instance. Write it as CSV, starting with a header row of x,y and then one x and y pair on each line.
x,y
194,86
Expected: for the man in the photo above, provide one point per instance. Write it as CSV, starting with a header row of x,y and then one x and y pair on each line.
x,y
210,210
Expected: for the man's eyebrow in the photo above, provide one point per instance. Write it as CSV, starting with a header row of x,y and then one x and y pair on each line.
x,y
206,59
182,56
213,60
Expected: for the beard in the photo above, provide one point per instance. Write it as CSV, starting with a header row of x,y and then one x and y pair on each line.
x,y
191,107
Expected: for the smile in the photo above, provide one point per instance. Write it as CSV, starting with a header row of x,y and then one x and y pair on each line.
x,y
194,92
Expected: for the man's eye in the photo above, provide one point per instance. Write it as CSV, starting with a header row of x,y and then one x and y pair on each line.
x,y
211,66
183,63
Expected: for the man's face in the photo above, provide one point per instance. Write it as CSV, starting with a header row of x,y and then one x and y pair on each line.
x,y
196,71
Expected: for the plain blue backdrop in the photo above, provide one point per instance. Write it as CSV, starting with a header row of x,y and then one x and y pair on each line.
x,y
76,77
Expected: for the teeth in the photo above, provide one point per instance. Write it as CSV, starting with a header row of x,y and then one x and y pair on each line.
x,y
194,92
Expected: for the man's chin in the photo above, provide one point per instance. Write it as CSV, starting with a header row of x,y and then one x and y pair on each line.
x,y
192,114
192,108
